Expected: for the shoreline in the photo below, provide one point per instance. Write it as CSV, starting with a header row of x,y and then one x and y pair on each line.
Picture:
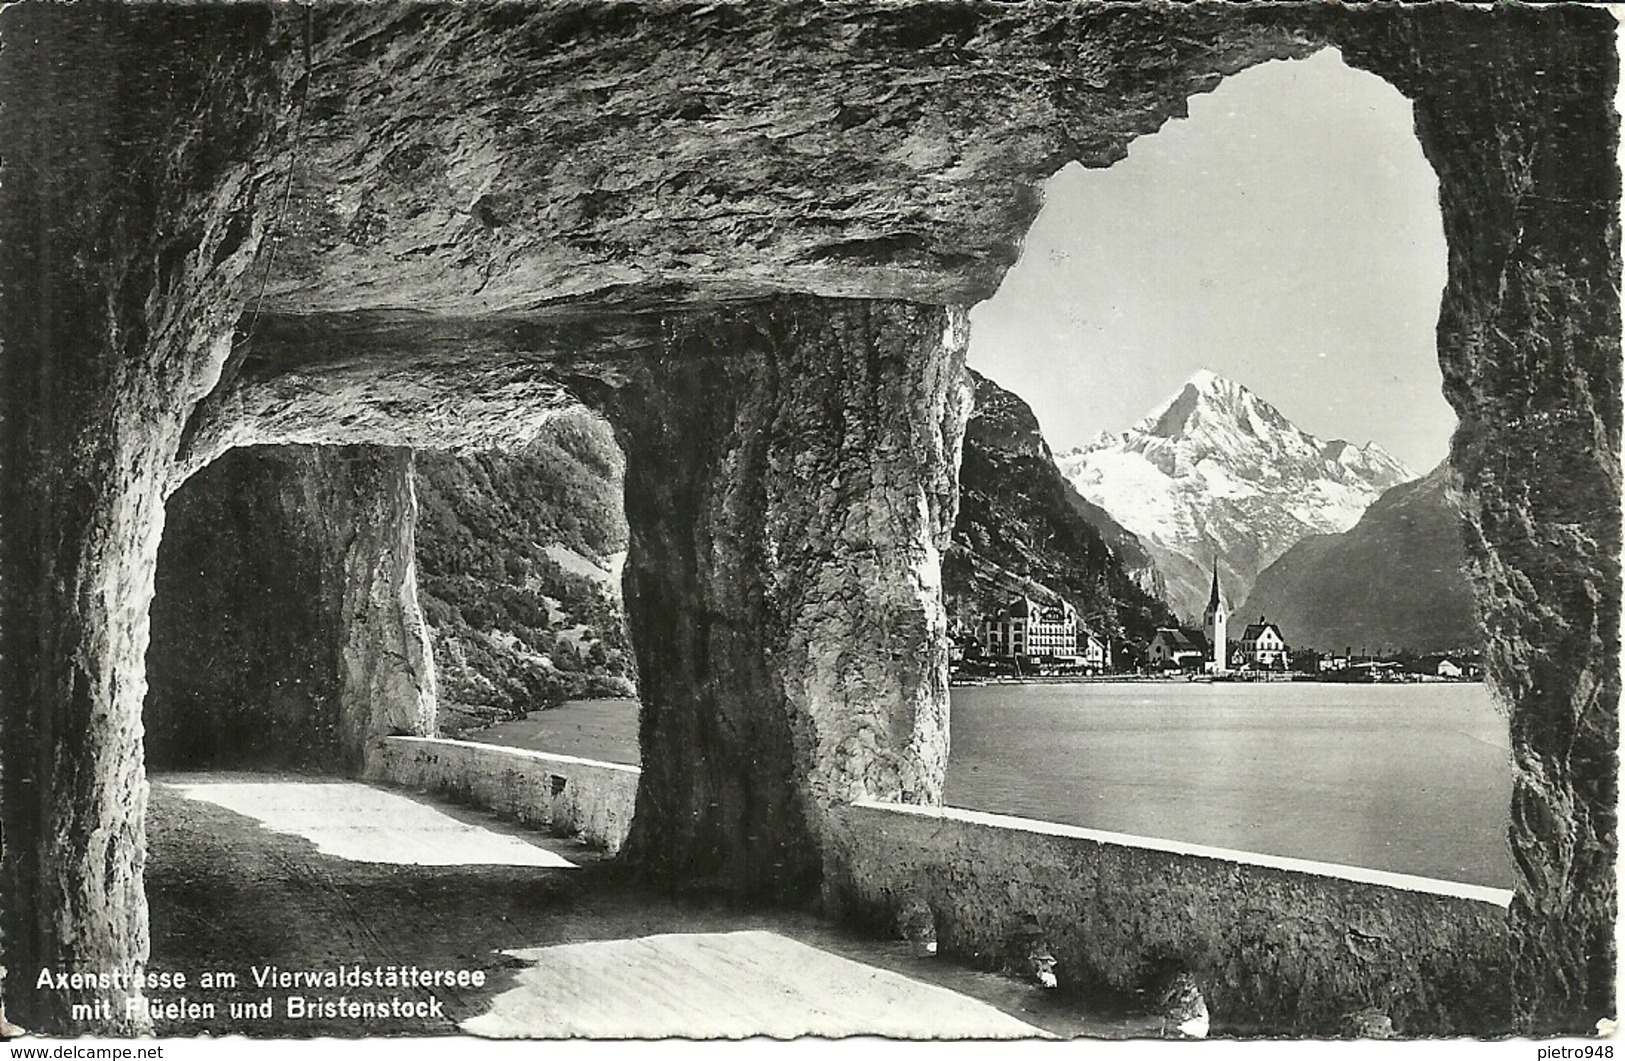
x,y
1140,679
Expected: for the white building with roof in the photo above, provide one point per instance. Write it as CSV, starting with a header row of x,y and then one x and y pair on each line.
x,y
1027,627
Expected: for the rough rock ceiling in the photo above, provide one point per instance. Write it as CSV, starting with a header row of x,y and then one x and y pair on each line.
x,y
466,183
495,160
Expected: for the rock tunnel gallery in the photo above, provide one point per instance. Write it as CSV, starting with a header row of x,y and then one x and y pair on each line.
x,y
256,258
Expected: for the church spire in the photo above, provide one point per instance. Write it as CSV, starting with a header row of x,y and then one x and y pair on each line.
x,y
1215,624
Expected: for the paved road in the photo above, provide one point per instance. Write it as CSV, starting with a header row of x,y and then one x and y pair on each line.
x,y
249,871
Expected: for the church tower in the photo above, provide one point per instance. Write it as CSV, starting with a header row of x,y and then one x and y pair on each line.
x,y
1215,622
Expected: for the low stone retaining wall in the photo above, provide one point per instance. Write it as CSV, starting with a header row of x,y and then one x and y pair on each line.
x,y
1278,945
557,793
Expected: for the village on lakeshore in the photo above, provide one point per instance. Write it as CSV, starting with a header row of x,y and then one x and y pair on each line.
x,y
1031,639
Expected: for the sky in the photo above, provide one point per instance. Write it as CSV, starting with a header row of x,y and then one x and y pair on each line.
x,y
1285,235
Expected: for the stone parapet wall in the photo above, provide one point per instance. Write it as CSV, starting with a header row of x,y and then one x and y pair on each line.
x,y
1278,945
557,793
1286,945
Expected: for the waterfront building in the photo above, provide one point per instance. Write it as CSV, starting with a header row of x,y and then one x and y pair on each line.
x,y
1028,628
1172,647
1448,666
1094,652
1262,646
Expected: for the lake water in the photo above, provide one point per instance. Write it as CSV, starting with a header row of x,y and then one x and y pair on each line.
x,y
1407,778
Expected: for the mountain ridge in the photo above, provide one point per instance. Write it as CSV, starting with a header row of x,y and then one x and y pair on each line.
x,y
1215,470
1022,530
1391,582
518,556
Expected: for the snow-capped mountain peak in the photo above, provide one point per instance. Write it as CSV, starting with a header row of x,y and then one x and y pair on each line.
x,y
1371,458
1217,468
1210,407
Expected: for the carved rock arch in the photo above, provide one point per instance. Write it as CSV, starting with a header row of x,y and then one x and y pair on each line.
x,y
826,186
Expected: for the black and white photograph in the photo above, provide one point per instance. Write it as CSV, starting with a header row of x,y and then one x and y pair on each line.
x,y
791,520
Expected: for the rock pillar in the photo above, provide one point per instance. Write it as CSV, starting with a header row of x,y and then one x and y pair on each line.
x,y
131,215
791,479
1529,343
386,670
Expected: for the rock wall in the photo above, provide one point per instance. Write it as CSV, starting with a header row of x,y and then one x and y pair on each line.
x,y
138,164
387,682
241,667
1277,946
1512,112
286,629
790,484
703,152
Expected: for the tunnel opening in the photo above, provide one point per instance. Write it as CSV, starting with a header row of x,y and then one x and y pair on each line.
x,y
315,601
1264,276
242,667
519,572
286,630
305,591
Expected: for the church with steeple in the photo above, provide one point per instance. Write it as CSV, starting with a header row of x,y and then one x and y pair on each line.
x,y
1215,623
